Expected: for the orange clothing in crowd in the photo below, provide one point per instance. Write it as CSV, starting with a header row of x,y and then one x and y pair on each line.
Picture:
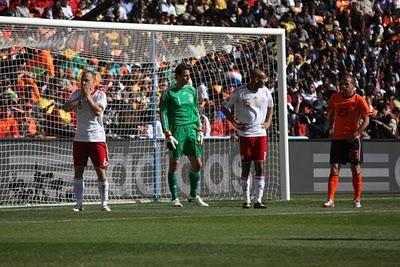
x,y
31,126
222,128
22,83
346,112
300,129
343,5
9,128
43,59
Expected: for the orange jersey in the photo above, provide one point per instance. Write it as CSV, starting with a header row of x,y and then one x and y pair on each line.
x,y
346,114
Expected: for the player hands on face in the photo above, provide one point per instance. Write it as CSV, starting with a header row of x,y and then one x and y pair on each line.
x,y
87,85
90,138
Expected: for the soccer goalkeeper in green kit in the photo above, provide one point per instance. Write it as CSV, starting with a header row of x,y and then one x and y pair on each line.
x,y
181,124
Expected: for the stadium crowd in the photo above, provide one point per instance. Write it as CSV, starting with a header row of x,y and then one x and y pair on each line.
x,y
325,39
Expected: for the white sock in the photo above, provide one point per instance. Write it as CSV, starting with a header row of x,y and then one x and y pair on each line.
x,y
103,191
78,190
259,184
246,189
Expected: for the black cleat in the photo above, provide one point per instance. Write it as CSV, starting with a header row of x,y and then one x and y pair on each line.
x,y
259,205
246,205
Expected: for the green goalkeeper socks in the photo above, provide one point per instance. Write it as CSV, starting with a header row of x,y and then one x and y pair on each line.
x,y
173,184
194,178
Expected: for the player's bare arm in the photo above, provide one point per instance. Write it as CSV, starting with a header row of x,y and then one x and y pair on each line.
x,y
268,119
360,130
331,122
96,109
237,124
71,104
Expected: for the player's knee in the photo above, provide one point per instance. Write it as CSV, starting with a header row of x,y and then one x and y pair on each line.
x,y
197,167
334,171
355,170
173,165
200,165
258,166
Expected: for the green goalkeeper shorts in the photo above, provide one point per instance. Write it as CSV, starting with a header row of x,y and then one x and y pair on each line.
x,y
188,144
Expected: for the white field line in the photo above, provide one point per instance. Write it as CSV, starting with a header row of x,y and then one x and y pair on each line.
x,y
25,207
326,212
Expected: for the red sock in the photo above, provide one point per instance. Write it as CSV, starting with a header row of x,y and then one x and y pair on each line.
x,y
357,186
332,186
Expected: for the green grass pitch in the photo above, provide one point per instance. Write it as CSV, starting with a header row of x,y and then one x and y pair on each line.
x,y
294,233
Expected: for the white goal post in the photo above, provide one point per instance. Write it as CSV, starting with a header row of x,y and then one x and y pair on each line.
x,y
41,62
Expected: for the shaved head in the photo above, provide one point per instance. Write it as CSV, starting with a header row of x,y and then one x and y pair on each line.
x,y
256,73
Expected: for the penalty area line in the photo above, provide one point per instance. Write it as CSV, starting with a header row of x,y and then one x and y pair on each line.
x,y
325,212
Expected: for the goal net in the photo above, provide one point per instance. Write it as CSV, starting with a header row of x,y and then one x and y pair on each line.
x,y
41,63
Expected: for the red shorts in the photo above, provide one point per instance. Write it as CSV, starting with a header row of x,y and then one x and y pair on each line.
x,y
253,148
96,151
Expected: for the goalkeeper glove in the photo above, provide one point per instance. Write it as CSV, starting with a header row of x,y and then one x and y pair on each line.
x,y
200,137
171,142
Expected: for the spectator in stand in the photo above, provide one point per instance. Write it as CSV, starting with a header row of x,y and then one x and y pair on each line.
x,y
216,98
28,124
22,9
66,9
323,41
40,5
82,9
202,95
27,87
42,62
309,93
233,75
385,122
221,126
180,7
167,7
205,122
117,13
5,8
9,126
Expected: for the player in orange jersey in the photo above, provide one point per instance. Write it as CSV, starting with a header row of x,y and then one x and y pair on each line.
x,y
348,118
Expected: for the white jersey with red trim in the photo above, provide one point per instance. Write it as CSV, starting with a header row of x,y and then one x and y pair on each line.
x,y
250,108
90,127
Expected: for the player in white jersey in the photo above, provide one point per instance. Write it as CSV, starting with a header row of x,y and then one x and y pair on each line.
x,y
253,106
90,137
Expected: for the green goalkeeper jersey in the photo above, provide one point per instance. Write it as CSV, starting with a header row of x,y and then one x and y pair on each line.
x,y
178,107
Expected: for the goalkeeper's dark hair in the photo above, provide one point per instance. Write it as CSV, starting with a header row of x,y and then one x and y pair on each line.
x,y
180,69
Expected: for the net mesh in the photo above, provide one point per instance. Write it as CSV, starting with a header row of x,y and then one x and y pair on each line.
x,y
41,67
